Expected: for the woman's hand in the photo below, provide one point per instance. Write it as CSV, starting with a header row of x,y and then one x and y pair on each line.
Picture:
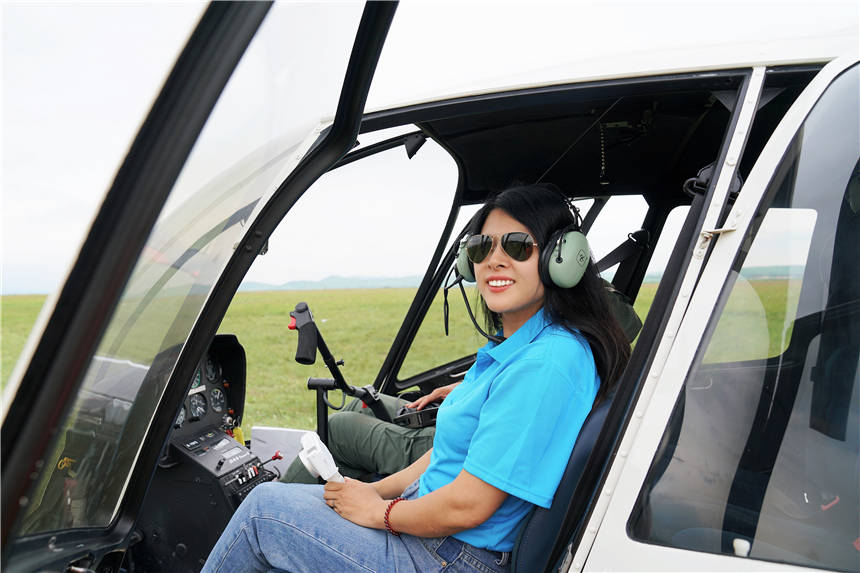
x,y
437,395
356,501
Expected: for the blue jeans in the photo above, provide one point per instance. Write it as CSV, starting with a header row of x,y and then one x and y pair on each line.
x,y
288,527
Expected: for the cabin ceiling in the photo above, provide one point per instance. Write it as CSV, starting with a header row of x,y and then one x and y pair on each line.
x,y
638,136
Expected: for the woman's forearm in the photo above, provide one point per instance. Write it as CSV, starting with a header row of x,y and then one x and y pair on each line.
x,y
393,485
462,504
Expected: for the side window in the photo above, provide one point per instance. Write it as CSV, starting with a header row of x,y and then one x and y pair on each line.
x,y
341,250
760,458
621,215
432,348
763,301
657,265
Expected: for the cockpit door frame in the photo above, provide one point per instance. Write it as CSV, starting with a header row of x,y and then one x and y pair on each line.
x,y
607,526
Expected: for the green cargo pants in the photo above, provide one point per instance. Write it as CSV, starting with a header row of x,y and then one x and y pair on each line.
x,y
361,444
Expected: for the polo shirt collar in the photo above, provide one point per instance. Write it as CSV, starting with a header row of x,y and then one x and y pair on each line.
x,y
524,335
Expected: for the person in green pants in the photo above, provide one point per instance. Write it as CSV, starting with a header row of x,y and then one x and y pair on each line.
x,y
363,445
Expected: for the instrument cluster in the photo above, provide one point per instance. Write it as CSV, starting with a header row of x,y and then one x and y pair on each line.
x,y
207,399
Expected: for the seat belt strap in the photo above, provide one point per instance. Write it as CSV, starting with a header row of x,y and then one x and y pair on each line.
x,y
636,242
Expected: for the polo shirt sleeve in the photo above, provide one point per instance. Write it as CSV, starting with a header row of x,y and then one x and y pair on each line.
x,y
529,424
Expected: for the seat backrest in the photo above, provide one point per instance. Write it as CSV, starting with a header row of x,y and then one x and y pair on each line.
x,y
541,527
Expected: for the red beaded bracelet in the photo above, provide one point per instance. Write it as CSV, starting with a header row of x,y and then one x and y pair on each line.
x,y
387,512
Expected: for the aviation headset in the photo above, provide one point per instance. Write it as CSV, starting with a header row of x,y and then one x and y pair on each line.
x,y
562,261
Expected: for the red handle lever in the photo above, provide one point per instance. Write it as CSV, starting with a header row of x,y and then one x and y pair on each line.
x,y
292,325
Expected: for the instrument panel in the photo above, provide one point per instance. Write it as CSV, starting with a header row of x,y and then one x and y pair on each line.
x,y
206,466
207,402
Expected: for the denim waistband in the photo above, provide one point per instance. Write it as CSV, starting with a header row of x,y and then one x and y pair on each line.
x,y
501,558
448,548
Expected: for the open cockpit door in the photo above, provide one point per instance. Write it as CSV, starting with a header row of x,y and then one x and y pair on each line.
x,y
231,143
741,452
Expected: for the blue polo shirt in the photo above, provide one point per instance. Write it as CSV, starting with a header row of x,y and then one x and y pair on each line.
x,y
513,422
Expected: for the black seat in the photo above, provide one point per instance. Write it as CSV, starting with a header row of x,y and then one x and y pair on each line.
x,y
542,526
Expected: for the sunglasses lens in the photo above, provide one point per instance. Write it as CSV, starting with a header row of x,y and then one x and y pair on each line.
x,y
517,245
478,247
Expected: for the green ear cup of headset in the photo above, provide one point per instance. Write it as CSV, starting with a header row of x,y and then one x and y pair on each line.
x,y
568,259
464,266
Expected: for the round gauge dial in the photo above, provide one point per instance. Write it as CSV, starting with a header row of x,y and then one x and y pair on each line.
x,y
180,418
198,378
197,406
212,369
217,399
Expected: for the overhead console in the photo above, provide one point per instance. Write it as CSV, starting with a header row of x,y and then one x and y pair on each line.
x,y
205,472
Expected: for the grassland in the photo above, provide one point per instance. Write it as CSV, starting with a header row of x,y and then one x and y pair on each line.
x,y
17,316
359,326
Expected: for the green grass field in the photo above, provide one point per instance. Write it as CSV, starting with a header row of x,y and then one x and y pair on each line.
x,y
359,326
17,315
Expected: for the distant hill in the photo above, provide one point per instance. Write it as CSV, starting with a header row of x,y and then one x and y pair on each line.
x,y
753,273
335,282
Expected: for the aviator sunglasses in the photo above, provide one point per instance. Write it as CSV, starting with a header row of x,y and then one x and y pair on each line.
x,y
517,245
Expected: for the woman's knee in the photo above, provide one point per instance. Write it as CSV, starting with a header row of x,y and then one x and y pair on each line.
x,y
261,497
346,431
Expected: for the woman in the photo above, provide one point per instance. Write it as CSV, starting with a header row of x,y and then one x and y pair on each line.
x,y
503,436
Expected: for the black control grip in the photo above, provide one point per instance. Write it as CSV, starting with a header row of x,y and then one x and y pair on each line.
x,y
306,349
303,321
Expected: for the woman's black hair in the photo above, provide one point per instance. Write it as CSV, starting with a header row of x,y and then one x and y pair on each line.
x,y
543,209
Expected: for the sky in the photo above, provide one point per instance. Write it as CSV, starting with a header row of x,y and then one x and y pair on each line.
x,y
77,82
78,79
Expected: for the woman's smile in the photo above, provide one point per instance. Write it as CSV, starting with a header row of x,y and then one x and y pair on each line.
x,y
499,284
510,288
